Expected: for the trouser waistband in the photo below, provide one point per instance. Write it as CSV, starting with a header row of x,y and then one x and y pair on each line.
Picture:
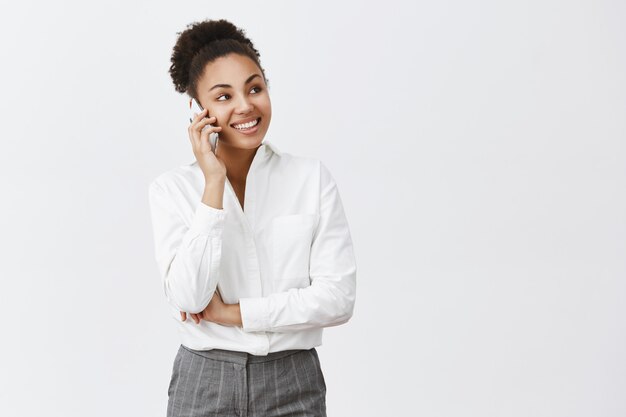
x,y
241,358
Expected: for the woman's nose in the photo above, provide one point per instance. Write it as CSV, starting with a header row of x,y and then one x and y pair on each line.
x,y
244,106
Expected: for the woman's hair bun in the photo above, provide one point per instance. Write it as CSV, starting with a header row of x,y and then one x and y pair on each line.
x,y
197,36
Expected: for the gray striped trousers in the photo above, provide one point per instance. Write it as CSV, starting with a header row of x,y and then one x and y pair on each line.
x,y
227,383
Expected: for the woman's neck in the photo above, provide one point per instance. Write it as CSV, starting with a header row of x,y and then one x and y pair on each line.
x,y
237,161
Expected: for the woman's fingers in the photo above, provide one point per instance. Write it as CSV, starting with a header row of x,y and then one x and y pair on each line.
x,y
199,124
197,135
204,137
198,116
205,120
195,127
195,317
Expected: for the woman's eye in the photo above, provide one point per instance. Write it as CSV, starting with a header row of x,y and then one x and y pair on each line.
x,y
259,89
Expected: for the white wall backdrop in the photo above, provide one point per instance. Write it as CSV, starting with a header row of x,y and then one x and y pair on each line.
x,y
480,152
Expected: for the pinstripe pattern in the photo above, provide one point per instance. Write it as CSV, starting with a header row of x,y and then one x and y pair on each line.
x,y
228,383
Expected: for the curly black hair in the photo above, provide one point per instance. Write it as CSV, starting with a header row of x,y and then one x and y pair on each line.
x,y
202,43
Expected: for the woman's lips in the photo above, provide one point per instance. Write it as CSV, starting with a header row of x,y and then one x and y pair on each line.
x,y
251,130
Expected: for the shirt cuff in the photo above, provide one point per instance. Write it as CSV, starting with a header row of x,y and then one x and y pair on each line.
x,y
254,314
208,220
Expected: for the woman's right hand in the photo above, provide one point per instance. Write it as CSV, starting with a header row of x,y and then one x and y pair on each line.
x,y
211,165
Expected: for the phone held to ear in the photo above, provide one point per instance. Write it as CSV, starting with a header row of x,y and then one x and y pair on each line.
x,y
195,108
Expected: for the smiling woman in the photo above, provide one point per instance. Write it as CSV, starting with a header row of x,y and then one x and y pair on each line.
x,y
241,105
252,243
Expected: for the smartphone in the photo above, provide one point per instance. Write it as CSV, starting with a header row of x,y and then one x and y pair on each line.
x,y
195,107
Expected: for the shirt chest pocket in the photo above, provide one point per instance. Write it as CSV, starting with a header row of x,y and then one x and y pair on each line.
x,y
292,236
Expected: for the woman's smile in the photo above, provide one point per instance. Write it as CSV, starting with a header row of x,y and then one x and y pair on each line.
x,y
248,128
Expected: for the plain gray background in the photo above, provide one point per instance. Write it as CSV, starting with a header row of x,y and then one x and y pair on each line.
x,y
479,149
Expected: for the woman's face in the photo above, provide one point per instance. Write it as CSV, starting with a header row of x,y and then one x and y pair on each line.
x,y
233,90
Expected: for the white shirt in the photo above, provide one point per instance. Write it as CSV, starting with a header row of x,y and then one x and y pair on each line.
x,y
288,259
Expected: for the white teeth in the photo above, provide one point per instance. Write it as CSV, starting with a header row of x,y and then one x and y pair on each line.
x,y
246,125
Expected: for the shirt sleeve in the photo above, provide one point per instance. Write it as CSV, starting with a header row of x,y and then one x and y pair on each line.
x,y
188,256
329,300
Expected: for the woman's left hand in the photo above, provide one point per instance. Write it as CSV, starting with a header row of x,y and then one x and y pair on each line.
x,y
217,311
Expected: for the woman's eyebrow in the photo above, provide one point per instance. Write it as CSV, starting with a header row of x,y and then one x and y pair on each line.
x,y
250,78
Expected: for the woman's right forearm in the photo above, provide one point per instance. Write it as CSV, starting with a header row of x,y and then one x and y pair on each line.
x,y
214,193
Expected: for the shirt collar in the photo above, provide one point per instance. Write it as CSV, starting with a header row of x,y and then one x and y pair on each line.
x,y
266,149
264,154
270,146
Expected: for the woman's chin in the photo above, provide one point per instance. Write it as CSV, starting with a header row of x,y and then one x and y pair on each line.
x,y
242,143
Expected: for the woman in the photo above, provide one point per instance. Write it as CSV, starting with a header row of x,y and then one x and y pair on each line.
x,y
251,243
